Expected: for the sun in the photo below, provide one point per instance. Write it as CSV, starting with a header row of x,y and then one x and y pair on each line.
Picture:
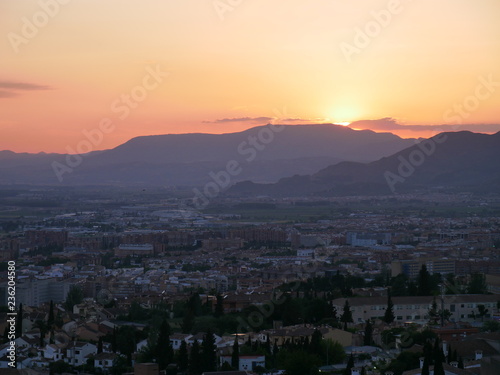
x,y
342,115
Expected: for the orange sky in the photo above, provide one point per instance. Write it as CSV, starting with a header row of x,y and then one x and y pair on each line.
x,y
231,67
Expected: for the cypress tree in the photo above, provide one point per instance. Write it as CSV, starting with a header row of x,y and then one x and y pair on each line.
x,y
350,365
235,356
183,358
438,359
368,337
164,351
346,314
389,311
50,319
209,354
195,359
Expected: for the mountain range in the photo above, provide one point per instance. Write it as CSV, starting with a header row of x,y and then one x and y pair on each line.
x,y
264,153
451,161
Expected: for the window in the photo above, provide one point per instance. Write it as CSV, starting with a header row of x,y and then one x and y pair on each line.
x,y
399,317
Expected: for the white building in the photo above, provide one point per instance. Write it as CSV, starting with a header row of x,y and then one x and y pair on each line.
x,y
463,307
247,362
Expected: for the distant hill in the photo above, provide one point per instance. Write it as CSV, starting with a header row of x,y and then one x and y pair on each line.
x,y
264,155
451,161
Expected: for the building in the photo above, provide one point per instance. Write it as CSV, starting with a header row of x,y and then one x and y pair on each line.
x,y
463,307
37,290
134,250
368,239
104,361
411,268
247,362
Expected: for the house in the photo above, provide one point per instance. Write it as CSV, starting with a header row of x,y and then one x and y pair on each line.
x,y
177,338
199,337
247,362
78,352
104,361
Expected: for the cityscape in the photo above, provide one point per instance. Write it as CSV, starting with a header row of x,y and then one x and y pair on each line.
x,y
231,187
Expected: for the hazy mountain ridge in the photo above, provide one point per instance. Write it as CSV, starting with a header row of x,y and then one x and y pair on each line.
x,y
461,160
187,159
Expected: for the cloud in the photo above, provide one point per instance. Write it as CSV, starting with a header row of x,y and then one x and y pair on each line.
x,y
8,89
390,124
7,94
262,119
240,119
299,120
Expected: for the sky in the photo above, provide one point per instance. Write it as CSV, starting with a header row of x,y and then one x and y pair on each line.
x,y
116,69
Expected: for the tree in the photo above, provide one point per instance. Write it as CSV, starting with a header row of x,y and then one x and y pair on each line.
x,y
187,321
42,326
183,358
315,344
477,284
368,337
208,351
438,359
427,358
425,367
60,367
58,322
350,365
389,311
235,356
399,285
346,316
482,311
195,365
164,351
119,366
433,313
74,297
298,362
19,321
219,307
331,352
424,282
491,326
99,345
51,319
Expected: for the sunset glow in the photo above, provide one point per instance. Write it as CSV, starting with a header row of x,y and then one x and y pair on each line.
x,y
67,68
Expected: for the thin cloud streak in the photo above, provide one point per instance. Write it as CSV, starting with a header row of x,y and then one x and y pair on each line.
x,y
239,119
9,88
390,124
